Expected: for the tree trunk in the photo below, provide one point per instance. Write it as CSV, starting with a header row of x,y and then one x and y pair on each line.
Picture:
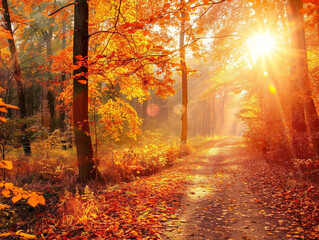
x,y
62,124
87,167
184,76
144,114
301,82
213,117
47,35
18,77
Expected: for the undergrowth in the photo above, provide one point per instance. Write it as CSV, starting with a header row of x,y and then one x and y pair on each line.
x,y
52,173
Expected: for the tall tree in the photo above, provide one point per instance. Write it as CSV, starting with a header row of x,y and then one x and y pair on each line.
x,y
300,82
17,75
184,75
47,36
87,167
62,111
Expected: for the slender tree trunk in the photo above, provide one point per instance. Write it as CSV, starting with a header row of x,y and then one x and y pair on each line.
x,y
9,101
87,167
204,117
222,113
310,108
214,117
301,81
184,76
63,78
62,124
144,114
47,35
18,77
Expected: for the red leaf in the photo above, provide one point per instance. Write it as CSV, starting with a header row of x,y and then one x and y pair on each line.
x,y
84,82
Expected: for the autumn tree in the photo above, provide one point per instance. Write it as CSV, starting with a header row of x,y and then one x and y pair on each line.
x,y
184,76
17,75
87,167
302,102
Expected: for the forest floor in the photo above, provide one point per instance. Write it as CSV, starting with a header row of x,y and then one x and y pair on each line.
x,y
234,195
220,191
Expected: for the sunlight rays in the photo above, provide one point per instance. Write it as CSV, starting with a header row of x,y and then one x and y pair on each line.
x,y
260,45
266,56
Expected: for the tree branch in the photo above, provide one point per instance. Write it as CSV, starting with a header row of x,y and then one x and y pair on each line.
x,y
70,4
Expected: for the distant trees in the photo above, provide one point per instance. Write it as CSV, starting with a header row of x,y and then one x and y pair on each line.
x,y
123,55
283,123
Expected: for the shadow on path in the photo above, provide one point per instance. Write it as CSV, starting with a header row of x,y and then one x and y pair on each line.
x,y
218,202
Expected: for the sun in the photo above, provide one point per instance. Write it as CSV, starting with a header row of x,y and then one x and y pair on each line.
x,y
261,45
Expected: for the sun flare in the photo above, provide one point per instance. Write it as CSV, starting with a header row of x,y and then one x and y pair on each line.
x,y
261,45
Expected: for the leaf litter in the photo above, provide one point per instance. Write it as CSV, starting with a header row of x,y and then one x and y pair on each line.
x,y
224,194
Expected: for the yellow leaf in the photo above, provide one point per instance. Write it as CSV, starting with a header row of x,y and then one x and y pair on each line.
x,y
3,119
5,234
16,198
8,185
11,106
6,164
2,109
27,236
3,206
6,192
36,199
83,219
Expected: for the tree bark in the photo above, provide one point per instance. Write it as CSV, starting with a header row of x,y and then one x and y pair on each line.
x,y
87,167
184,77
47,36
214,117
18,77
62,124
301,82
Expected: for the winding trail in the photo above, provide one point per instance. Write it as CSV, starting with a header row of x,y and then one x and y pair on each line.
x,y
220,201
222,191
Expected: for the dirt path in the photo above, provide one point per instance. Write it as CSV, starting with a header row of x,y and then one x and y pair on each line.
x,y
220,201
220,192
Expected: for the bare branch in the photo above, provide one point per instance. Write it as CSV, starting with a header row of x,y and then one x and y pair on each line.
x,y
70,4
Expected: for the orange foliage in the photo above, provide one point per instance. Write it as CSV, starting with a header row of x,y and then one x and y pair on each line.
x,y
16,194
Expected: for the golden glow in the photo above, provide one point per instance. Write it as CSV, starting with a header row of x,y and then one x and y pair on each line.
x,y
272,88
260,45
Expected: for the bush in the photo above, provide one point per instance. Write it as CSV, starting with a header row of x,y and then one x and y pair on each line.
x,y
10,136
148,157
308,169
48,143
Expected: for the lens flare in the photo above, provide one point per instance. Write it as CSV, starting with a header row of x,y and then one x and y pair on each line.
x,y
260,45
152,110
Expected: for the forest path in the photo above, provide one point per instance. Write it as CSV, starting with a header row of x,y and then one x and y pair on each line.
x,y
222,191
221,201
